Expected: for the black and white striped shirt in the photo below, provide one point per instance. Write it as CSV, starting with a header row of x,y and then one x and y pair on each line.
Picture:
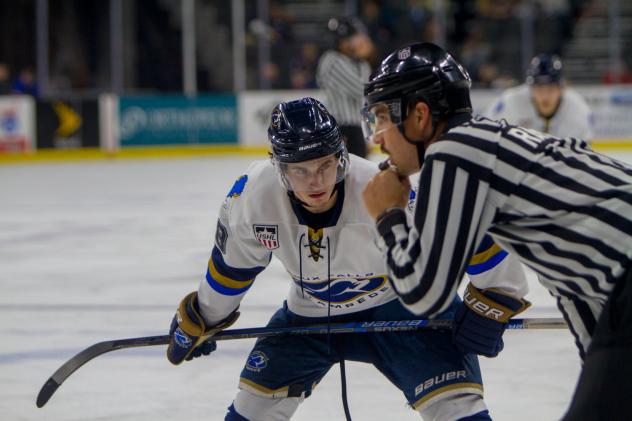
x,y
342,79
563,209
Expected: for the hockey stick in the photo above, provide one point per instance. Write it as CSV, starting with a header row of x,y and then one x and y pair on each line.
x,y
70,366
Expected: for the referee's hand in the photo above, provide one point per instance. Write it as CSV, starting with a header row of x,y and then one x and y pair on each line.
x,y
384,191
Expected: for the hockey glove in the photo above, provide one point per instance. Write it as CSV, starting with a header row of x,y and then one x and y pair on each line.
x,y
480,321
189,335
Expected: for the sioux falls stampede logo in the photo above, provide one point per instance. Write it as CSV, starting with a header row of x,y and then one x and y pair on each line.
x,y
344,291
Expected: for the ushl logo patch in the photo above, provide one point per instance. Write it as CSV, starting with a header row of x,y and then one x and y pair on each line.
x,y
268,235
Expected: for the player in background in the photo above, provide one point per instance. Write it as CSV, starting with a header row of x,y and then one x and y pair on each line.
x,y
545,103
561,208
304,206
341,74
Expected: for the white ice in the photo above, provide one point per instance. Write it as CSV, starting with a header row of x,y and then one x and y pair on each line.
x,y
102,250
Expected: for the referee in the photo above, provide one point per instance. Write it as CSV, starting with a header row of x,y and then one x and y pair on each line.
x,y
341,74
563,209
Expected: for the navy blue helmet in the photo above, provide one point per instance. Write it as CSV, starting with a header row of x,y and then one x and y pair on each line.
x,y
302,130
421,72
544,69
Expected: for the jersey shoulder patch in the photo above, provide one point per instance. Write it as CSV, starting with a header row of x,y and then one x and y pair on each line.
x,y
238,187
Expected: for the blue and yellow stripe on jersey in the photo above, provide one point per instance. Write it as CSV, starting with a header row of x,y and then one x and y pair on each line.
x,y
487,256
227,280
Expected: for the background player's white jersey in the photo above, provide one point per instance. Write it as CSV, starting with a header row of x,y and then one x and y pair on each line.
x,y
572,119
339,266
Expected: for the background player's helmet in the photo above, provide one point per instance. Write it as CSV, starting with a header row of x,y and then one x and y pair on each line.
x,y
344,27
303,130
419,72
544,69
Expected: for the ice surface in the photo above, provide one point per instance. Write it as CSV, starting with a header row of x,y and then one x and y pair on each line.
x,y
104,250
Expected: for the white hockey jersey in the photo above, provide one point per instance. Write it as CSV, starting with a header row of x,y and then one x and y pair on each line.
x,y
573,118
338,266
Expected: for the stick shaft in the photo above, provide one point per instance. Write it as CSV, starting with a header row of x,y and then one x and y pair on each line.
x,y
100,348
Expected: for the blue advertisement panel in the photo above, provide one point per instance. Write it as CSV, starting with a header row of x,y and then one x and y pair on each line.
x,y
177,120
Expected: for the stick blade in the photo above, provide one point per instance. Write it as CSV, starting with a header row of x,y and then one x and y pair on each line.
x,y
46,392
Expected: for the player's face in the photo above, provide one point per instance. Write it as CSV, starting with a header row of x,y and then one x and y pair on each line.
x,y
546,97
313,182
391,141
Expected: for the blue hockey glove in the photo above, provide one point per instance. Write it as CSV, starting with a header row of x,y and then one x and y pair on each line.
x,y
480,321
190,337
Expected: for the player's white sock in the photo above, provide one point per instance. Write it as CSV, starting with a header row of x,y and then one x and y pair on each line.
x,y
258,408
453,408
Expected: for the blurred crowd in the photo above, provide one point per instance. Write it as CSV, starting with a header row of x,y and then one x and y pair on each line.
x,y
484,34
22,83
284,47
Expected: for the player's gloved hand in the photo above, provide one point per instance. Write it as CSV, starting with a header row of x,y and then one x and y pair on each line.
x,y
190,337
480,321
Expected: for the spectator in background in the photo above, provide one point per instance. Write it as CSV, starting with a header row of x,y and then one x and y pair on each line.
x,y
476,56
5,84
303,67
379,24
25,83
544,103
272,76
342,73
498,19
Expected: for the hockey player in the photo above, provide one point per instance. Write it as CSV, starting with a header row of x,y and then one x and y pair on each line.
x,y
564,210
304,206
544,103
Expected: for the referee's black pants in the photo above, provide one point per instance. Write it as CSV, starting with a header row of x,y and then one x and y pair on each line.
x,y
604,389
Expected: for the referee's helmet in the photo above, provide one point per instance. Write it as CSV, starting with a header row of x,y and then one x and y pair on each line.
x,y
417,72
344,27
421,72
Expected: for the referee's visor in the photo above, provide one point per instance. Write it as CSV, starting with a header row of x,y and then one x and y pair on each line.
x,y
381,116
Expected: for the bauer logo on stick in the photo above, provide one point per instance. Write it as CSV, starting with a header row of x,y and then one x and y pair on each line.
x,y
267,235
